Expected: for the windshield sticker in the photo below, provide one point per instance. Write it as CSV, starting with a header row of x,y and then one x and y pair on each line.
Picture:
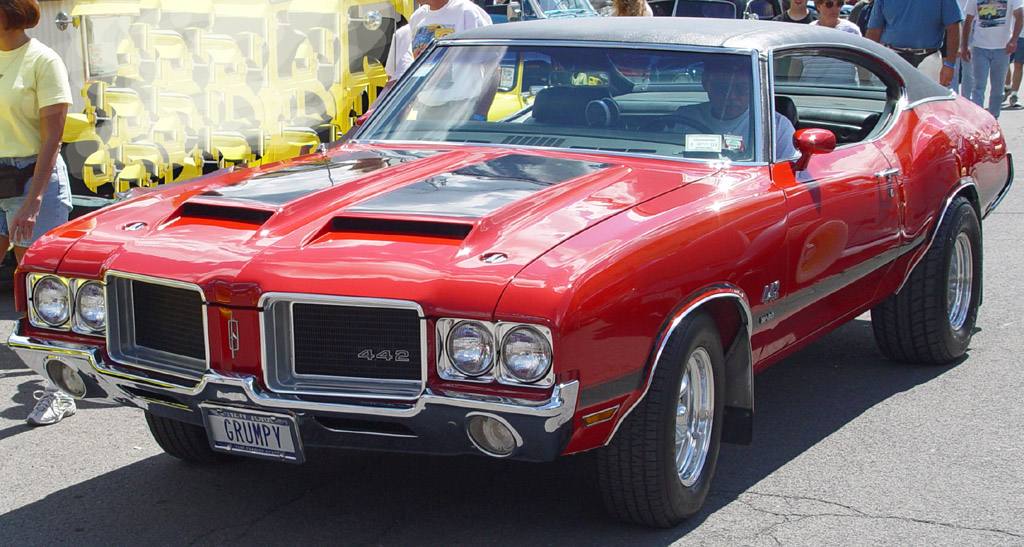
x,y
733,142
508,77
703,143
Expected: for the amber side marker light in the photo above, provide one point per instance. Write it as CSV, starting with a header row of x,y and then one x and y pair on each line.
x,y
601,416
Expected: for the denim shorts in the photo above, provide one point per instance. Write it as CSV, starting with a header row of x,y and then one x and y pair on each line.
x,y
1018,55
53,211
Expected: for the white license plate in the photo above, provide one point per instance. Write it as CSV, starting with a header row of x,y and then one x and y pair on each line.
x,y
253,433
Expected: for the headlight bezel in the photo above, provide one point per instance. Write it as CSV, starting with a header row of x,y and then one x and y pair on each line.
x,y
456,371
71,285
498,372
507,376
78,323
35,317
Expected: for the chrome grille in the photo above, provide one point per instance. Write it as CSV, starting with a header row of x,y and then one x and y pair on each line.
x,y
168,319
156,324
321,345
356,342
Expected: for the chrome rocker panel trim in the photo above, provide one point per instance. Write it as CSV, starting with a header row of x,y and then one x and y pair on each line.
x,y
432,423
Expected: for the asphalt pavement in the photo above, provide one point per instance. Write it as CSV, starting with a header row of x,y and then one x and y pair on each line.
x,y
849,449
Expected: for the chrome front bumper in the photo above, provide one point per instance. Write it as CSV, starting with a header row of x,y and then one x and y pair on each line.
x,y
432,423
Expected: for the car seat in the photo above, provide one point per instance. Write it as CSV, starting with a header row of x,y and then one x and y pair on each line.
x,y
566,105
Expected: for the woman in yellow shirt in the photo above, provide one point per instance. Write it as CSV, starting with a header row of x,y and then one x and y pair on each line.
x,y
34,99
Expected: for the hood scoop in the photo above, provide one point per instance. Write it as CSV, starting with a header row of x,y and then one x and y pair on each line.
x,y
476,190
278,187
363,227
209,211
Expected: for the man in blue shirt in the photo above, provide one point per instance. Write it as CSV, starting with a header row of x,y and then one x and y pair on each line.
x,y
915,28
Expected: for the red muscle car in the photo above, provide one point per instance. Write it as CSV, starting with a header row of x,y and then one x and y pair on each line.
x,y
605,269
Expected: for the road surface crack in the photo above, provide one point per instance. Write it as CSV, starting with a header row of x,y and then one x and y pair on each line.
x,y
792,515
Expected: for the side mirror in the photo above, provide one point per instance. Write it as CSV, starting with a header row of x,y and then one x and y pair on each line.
x,y
372,20
514,11
810,142
63,21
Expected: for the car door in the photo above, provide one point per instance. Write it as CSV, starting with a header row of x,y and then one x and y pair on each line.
x,y
843,225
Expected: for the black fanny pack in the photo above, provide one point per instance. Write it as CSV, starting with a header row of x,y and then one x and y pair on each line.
x,y
12,180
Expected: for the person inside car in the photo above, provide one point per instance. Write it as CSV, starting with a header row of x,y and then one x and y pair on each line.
x,y
727,111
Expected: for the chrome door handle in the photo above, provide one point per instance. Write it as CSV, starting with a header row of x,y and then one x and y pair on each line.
x,y
887,175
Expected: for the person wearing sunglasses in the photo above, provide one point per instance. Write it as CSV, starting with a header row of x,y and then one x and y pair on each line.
x,y
826,70
726,113
828,16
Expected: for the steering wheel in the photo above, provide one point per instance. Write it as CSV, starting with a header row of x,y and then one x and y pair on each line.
x,y
662,123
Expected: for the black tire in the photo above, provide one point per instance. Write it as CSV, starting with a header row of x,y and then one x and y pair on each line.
x,y
915,324
637,471
183,441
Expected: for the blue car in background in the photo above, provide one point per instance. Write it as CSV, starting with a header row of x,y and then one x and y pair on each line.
x,y
526,10
503,11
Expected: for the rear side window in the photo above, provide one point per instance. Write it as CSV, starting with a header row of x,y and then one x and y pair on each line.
x,y
836,89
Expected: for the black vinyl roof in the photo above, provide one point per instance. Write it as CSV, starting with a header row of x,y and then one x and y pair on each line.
x,y
762,36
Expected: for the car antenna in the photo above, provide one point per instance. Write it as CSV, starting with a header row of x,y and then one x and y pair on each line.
x,y
323,150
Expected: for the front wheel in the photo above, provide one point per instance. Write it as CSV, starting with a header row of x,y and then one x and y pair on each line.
x,y
183,441
931,320
657,469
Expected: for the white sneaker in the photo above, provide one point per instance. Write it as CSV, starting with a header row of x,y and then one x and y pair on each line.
x,y
1013,101
54,405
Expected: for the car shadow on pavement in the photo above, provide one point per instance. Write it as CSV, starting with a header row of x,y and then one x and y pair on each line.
x,y
360,498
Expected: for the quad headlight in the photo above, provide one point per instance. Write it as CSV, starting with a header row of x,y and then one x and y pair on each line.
x,y
484,352
51,300
470,347
525,354
90,307
67,303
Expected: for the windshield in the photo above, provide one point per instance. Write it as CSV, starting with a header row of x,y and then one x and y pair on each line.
x,y
677,103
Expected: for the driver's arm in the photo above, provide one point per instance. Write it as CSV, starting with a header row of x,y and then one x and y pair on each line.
x,y
784,132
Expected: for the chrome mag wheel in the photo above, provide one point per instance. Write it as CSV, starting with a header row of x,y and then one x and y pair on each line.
x,y
960,281
695,416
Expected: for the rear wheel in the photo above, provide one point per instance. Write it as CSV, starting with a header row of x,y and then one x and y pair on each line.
x,y
183,441
931,320
657,469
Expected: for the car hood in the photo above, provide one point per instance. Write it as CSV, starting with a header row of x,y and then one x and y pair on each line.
x,y
445,228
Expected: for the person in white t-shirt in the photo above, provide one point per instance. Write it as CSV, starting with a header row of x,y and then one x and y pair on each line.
x,y
400,54
438,18
727,111
994,39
